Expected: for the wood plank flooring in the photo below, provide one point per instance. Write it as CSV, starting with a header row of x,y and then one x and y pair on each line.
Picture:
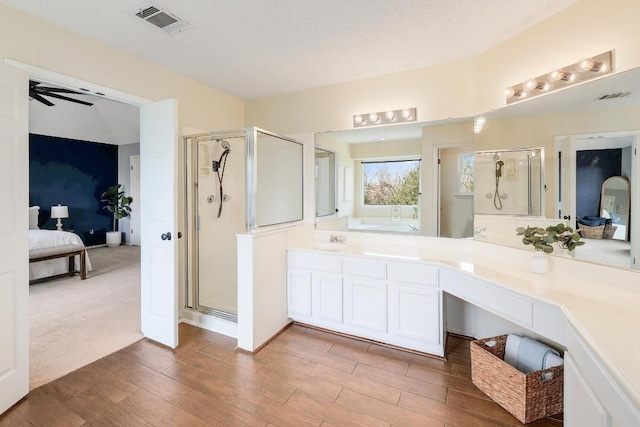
x,y
304,377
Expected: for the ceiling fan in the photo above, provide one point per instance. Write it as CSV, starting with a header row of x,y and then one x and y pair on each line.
x,y
39,92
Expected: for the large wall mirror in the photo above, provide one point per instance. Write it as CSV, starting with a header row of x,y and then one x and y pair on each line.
x,y
381,172
589,133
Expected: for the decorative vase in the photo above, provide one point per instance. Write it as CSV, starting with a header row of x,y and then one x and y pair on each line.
x,y
540,263
114,238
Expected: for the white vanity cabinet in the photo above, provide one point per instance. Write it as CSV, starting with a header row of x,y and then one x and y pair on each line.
x,y
398,303
581,407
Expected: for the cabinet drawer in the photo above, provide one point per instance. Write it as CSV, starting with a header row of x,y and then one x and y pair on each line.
x,y
416,274
497,301
317,262
369,269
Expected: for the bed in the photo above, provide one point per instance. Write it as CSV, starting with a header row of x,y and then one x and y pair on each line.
x,y
49,239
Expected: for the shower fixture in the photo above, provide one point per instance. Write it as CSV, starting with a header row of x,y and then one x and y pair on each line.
x,y
218,167
497,200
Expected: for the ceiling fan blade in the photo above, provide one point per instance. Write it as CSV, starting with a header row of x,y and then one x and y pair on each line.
x,y
33,83
41,99
44,90
66,98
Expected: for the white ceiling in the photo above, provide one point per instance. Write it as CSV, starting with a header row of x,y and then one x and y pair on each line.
x,y
256,48
106,121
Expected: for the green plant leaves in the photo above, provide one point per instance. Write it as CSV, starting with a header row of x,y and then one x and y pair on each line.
x,y
542,239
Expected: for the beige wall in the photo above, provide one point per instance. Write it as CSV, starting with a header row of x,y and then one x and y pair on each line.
x,y
437,92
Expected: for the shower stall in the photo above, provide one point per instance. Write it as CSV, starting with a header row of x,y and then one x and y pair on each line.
x,y
236,181
509,182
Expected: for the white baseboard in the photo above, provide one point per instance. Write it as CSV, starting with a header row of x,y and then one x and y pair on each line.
x,y
104,245
209,323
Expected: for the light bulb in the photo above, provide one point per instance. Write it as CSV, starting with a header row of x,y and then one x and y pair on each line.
x,y
588,64
373,117
509,92
406,113
478,123
358,119
561,75
533,84
390,115
530,85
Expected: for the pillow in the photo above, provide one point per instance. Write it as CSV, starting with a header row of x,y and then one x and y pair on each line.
x,y
33,217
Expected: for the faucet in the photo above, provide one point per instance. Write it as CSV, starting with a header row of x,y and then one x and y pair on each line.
x,y
479,231
337,238
413,227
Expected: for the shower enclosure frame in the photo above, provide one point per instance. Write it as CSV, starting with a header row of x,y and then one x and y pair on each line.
x,y
191,205
543,185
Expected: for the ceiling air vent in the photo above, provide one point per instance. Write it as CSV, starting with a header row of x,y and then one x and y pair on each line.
x,y
162,19
613,96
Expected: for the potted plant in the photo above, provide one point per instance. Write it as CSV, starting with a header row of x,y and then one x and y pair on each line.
x,y
120,206
544,239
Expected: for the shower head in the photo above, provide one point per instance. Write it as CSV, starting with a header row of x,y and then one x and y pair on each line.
x,y
224,144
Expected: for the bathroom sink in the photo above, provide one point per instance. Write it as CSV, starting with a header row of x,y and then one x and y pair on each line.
x,y
329,246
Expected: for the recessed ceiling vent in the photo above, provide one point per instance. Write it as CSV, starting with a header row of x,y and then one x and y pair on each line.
x,y
162,19
613,96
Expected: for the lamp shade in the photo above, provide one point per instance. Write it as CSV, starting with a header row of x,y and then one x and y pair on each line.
x,y
59,211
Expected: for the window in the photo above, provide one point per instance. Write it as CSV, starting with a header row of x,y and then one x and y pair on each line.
x,y
465,173
391,182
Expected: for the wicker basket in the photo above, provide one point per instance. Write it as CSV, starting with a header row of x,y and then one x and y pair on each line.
x,y
528,397
609,231
589,232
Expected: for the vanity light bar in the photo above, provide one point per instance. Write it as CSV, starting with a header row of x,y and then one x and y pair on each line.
x,y
388,117
584,70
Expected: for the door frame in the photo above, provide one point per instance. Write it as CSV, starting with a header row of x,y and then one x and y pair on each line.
x,y
634,231
73,83
134,185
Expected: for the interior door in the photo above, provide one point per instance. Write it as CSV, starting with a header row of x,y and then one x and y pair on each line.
x,y
14,242
159,219
567,202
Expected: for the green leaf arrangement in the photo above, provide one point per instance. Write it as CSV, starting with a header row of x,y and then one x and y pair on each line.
x,y
543,239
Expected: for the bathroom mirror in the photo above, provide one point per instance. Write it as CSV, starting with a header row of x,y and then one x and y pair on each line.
x,y
509,182
614,205
589,133
381,176
325,174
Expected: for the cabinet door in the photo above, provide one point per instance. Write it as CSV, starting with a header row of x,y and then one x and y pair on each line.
x,y
581,407
365,304
298,292
327,297
414,312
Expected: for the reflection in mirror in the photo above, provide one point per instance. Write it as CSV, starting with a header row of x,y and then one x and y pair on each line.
x,y
326,172
387,174
509,182
589,133
614,205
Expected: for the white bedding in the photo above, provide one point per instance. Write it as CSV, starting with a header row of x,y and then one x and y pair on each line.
x,y
49,238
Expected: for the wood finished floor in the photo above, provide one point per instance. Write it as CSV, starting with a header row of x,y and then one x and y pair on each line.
x,y
302,378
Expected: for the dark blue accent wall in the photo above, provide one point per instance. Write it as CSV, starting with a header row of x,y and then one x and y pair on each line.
x,y
73,173
593,167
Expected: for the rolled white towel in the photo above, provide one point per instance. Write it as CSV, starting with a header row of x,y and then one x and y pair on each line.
x,y
532,355
511,349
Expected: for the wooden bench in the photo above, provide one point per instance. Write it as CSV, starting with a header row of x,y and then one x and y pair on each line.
x,y
64,251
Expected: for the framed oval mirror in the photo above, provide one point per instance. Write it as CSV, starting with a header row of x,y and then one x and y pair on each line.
x,y
615,202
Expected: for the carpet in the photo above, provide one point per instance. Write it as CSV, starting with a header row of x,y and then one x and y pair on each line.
x,y
75,322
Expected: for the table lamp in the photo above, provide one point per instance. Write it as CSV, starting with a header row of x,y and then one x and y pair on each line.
x,y
59,212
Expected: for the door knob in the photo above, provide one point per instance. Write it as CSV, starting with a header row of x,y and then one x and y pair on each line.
x,y
179,234
166,236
